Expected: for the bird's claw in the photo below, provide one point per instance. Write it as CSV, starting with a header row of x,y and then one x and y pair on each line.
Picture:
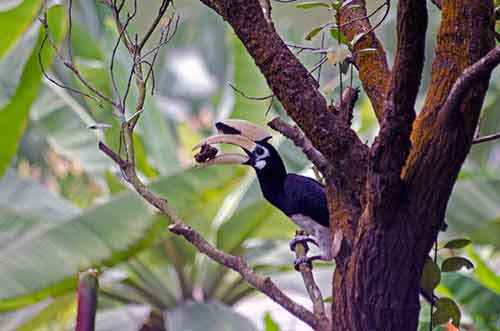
x,y
301,240
302,260
307,260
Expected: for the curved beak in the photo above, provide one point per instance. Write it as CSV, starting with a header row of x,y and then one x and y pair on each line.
x,y
232,158
244,128
235,132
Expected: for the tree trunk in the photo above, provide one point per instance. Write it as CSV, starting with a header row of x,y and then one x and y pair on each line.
x,y
389,199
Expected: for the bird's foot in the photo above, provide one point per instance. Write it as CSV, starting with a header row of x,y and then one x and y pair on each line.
x,y
301,239
306,260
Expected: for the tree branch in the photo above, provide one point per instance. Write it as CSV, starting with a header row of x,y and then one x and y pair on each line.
x,y
263,284
486,138
344,108
127,167
238,264
309,282
441,139
297,137
298,92
480,70
392,146
373,69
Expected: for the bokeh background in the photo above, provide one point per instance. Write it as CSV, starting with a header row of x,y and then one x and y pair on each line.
x,y
64,208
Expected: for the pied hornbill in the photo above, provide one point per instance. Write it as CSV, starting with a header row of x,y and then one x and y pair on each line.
x,y
301,198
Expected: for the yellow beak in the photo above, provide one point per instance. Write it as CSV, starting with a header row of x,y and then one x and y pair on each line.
x,y
235,132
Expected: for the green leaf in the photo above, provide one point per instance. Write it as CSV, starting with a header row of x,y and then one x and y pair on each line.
x,y
14,22
312,4
457,243
124,318
64,122
83,45
431,276
446,309
481,303
487,234
328,300
206,317
59,313
248,79
270,324
484,274
90,239
337,4
456,263
313,33
257,220
161,152
22,196
339,36
14,116
103,236
474,210
12,65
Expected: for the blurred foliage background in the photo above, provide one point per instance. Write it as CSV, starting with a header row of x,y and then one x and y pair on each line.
x,y
63,207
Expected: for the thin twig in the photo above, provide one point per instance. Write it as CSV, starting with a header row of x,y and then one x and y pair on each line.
x,y
322,56
156,21
490,137
68,64
240,92
167,39
300,140
263,284
53,80
309,282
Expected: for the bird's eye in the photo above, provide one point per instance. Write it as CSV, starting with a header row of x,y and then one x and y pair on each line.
x,y
259,151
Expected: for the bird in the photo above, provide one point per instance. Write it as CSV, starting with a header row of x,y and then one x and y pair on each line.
x,y
301,198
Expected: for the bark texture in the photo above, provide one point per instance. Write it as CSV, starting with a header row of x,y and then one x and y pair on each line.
x,y
388,200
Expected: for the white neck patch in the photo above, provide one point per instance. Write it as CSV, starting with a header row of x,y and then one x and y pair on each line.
x,y
260,164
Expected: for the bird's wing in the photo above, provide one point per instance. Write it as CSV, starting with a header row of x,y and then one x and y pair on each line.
x,y
306,196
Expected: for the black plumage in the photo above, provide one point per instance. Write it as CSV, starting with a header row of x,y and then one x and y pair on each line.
x,y
301,198
291,193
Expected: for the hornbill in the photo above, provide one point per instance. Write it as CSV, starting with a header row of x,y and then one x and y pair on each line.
x,y
302,199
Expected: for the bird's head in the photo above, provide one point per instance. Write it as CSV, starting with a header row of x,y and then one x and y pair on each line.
x,y
254,141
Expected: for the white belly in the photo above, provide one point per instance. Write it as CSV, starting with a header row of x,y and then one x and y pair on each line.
x,y
318,231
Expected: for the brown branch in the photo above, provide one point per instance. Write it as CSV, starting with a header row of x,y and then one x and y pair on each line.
x,y
127,166
263,284
161,12
344,108
484,139
478,71
297,91
440,143
300,140
312,288
70,65
244,95
392,146
236,263
373,69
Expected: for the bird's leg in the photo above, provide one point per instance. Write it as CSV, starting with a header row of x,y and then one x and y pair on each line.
x,y
302,239
308,260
